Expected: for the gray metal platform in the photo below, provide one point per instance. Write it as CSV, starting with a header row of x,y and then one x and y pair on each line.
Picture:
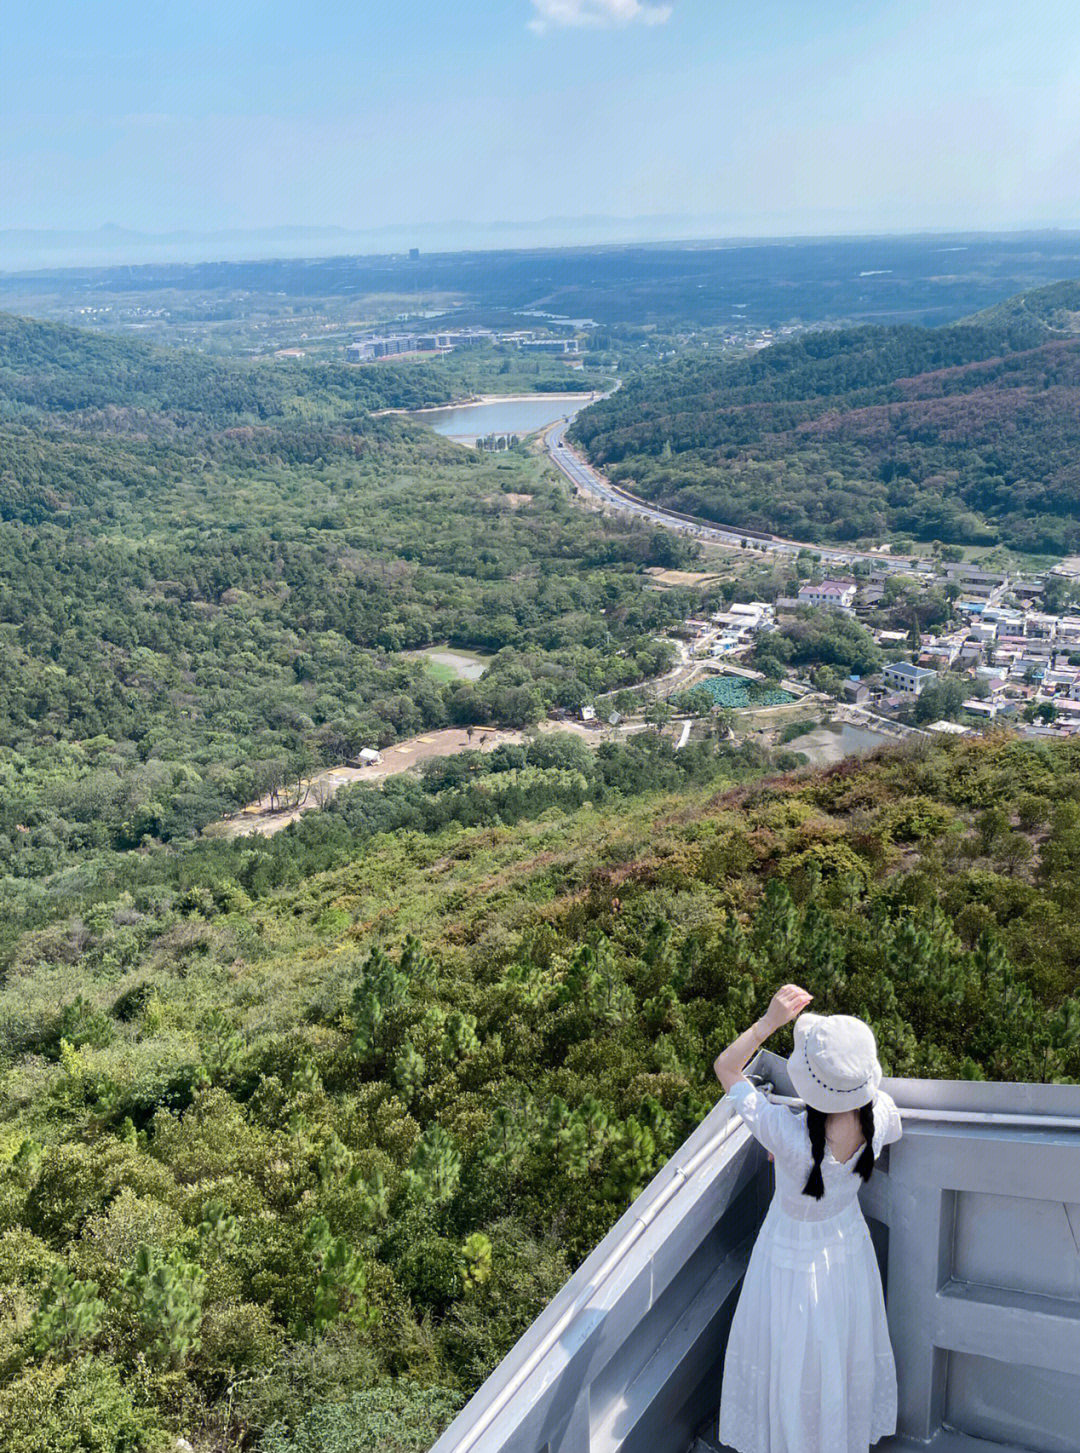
x,y
975,1215
943,1442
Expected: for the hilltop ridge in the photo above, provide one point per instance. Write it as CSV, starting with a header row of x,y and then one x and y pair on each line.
x,y
1056,307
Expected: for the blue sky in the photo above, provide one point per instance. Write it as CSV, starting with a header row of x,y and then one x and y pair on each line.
x,y
761,116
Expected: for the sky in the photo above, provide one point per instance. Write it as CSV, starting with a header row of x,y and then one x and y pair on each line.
x,y
699,117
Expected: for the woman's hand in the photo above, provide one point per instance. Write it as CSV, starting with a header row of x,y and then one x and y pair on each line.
x,y
787,1004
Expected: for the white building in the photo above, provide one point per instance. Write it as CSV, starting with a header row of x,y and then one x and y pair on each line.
x,y
755,614
903,676
833,594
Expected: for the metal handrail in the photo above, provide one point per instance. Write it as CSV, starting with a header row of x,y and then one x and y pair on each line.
x,y
967,1117
681,1174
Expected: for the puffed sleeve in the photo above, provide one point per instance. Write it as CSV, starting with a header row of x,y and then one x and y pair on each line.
x,y
887,1126
778,1130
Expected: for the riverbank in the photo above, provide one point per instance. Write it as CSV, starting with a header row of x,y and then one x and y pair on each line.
x,y
471,401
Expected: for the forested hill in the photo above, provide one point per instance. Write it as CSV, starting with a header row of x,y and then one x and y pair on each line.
x,y
49,367
211,573
293,1174
969,433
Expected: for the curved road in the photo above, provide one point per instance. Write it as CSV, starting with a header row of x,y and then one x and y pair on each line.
x,y
590,481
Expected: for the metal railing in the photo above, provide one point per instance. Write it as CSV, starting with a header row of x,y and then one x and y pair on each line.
x,y
628,1355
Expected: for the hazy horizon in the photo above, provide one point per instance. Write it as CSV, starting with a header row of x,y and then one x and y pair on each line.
x,y
28,250
615,120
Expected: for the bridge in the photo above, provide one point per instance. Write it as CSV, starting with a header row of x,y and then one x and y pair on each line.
x,y
974,1214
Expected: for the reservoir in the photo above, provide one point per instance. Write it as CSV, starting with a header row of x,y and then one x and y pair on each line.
x,y
503,416
836,740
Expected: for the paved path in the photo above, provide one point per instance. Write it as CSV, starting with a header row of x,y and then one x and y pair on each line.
x,y
590,481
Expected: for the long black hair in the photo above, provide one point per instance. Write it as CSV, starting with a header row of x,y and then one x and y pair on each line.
x,y
815,1124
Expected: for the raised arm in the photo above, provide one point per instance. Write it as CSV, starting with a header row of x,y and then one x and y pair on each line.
x,y
787,1004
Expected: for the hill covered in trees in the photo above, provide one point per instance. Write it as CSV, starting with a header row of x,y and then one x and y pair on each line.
x,y
211,572
968,433
290,1167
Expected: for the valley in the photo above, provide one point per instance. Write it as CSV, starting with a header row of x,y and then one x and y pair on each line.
x,y
391,830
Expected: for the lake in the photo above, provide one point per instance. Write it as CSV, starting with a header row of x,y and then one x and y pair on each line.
x,y
836,740
504,416
451,665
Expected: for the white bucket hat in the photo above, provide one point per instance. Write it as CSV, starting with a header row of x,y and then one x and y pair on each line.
x,y
834,1065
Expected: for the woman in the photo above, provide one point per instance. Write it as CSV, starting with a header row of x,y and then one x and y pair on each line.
x,y
809,1367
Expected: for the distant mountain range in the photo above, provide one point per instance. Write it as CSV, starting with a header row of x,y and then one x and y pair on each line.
x,y
30,249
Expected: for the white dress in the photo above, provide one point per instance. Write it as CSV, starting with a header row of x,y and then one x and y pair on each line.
x,y
809,1367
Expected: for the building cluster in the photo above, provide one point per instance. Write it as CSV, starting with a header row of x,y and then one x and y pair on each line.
x,y
1008,654
1011,658
1020,655
730,632
391,345
375,346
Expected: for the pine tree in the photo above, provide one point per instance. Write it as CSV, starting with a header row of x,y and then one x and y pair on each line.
x,y
507,1140
632,1162
409,1070
167,1292
373,1198
382,986
460,1039
340,1283
435,1168
475,1261
218,1229
69,1314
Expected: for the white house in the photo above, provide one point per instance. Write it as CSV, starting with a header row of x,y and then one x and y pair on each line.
x,y
834,594
756,615
903,676
747,617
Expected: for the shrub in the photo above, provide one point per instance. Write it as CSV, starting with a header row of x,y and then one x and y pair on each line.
x,y
396,1417
80,1408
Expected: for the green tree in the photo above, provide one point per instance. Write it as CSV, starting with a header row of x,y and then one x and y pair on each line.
x,y
167,1293
341,1281
69,1314
435,1168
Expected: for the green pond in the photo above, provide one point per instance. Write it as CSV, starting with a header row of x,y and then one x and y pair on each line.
x,y
734,692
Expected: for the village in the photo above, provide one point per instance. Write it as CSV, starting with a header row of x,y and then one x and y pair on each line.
x,y
1001,655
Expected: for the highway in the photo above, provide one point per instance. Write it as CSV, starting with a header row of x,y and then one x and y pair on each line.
x,y
591,482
